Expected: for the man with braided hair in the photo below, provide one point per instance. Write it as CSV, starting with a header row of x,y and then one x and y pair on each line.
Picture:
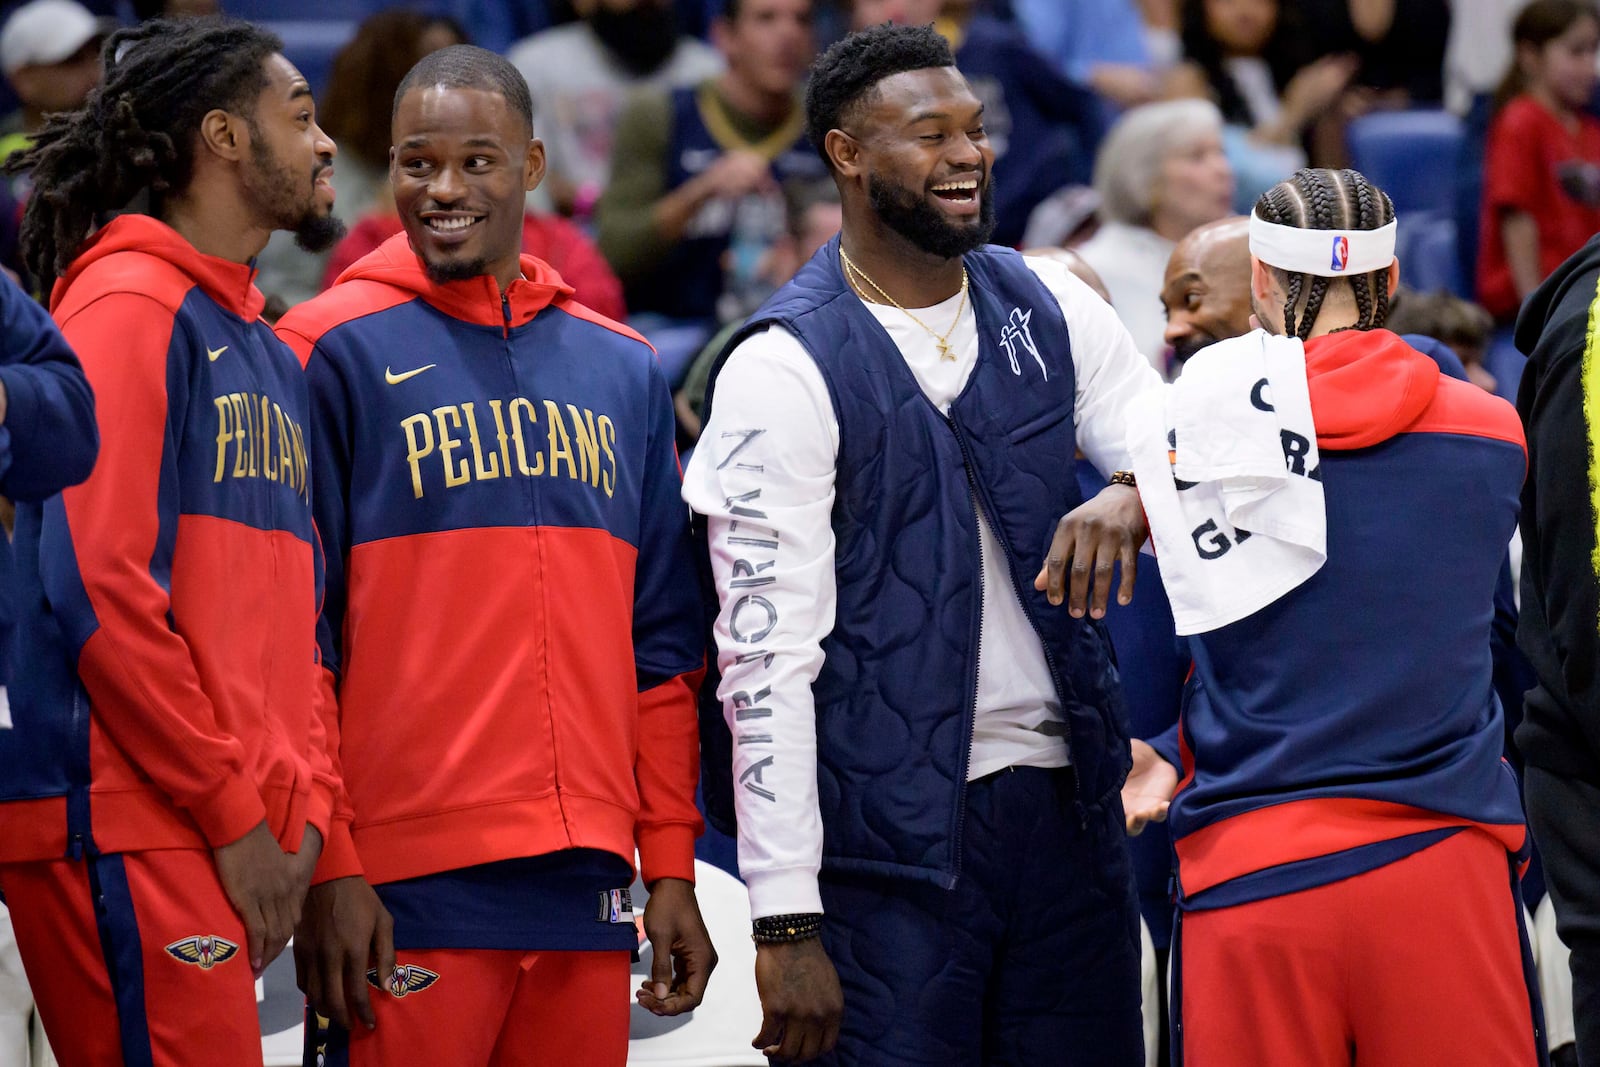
x,y
1347,834
165,792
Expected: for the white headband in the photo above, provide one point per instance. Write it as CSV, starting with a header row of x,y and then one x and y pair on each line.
x,y
1326,253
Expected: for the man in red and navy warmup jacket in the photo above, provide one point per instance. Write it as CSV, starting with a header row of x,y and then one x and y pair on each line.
x,y
512,624
1347,832
165,787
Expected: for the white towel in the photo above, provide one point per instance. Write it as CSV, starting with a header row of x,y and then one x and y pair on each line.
x,y
1228,470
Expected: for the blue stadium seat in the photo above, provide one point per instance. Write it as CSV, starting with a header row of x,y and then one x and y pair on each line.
x,y
1428,248
311,45
1411,155
300,10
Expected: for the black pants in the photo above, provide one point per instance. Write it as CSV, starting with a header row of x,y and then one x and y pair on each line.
x,y
1564,814
1033,957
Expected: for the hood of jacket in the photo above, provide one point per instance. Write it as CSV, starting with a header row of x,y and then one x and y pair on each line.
x,y
476,300
1549,301
1366,386
230,284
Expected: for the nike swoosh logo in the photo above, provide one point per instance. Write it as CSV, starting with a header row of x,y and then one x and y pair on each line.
x,y
213,353
395,379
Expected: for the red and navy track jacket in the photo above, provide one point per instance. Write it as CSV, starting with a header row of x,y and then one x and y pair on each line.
x,y
1354,721
511,619
168,605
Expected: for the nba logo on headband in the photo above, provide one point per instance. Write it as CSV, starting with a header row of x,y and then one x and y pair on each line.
x,y
1325,253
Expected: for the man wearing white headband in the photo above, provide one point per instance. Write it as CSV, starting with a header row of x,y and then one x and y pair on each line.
x,y
1347,835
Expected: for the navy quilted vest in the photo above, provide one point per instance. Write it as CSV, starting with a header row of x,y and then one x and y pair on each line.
x,y
896,693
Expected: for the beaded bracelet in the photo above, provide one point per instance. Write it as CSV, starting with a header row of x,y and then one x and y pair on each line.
x,y
784,929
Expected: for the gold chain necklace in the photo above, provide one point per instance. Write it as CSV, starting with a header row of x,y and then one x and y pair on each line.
x,y
943,341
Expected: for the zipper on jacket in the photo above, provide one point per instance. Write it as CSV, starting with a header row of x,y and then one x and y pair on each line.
x,y
1049,656
970,717
505,310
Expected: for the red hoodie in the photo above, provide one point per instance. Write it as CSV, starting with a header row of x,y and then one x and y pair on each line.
x,y
179,580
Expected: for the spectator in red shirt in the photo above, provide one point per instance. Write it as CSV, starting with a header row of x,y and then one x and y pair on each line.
x,y
1541,190
548,237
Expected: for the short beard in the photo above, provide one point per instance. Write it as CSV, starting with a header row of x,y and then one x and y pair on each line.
x,y
456,270
1185,349
318,233
271,183
919,222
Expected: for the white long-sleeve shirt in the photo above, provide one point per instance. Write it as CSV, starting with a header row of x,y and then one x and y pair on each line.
x,y
763,475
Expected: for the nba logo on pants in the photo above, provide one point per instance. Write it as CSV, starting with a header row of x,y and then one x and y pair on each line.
x,y
1341,252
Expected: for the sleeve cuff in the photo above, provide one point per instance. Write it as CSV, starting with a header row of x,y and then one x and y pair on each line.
x,y
790,891
339,858
1166,745
666,850
230,812
22,402
319,810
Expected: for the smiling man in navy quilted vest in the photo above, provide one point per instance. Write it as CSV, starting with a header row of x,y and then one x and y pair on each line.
x,y
926,750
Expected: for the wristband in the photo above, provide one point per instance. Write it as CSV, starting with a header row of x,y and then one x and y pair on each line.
x,y
1124,478
784,929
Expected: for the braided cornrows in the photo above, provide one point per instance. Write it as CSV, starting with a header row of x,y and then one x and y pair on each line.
x,y
1328,200
136,131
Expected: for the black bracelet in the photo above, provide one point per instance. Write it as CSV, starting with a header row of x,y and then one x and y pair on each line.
x,y
784,929
1124,478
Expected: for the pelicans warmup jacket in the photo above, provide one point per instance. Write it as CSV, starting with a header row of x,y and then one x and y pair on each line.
x,y
512,621
1353,721
167,606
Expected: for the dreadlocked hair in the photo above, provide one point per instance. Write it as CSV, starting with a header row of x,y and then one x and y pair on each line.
x,y
135,133
1328,200
845,78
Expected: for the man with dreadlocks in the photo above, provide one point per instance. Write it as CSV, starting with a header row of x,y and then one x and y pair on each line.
x,y
166,789
925,753
1347,834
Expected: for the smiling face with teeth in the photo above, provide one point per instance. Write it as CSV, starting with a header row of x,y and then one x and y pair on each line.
x,y
461,163
924,158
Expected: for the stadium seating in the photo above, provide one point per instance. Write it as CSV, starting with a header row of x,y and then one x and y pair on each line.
x,y
1411,155
311,44
1414,156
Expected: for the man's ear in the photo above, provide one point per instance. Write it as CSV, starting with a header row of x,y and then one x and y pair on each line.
x,y
534,165
225,134
1261,281
1394,275
843,151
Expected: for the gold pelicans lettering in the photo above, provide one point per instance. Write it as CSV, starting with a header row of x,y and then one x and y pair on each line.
x,y
476,442
257,439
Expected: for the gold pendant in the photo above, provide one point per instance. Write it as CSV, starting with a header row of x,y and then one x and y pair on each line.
x,y
945,354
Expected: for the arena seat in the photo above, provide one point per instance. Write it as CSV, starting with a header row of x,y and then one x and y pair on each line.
x,y
1427,246
1411,155
311,44
301,10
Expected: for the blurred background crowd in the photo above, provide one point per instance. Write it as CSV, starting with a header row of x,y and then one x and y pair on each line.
x,y
681,191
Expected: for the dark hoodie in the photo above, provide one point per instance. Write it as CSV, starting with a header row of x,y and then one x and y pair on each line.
x,y
1560,625
1352,721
